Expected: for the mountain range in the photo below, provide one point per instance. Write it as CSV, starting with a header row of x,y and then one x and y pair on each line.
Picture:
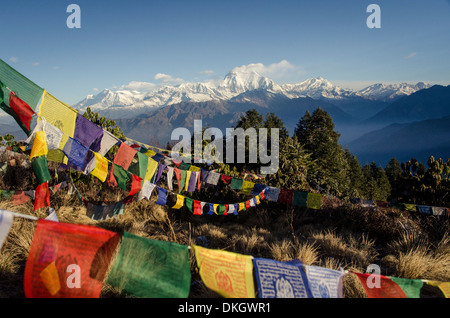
x,y
376,123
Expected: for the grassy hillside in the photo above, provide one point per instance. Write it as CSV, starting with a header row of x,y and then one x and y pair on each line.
x,y
404,244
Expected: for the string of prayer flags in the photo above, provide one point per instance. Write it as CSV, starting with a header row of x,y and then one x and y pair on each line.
x,y
42,196
324,282
150,268
227,273
379,286
68,260
280,279
6,221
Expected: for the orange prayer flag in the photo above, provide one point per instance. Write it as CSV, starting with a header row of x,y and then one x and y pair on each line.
x,y
68,260
124,156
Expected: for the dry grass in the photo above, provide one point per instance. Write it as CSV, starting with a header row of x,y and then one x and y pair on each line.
x,y
338,236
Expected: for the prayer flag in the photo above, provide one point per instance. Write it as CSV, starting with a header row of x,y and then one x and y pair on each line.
x,y
39,145
272,194
325,282
162,196
121,176
281,279
42,196
146,190
151,268
213,178
236,183
108,140
87,133
187,180
124,156
300,198
40,169
247,187
68,260
190,204
6,221
180,202
314,201
98,167
385,289
170,178
104,211
286,196
192,179
198,208
22,110
227,273
226,179
136,184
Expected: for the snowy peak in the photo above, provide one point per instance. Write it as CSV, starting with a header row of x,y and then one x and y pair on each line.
x,y
316,88
240,80
389,92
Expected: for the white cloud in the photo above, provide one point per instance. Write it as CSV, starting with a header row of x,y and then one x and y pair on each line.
x,y
274,71
95,90
410,55
167,79
139,86
35,64
14,59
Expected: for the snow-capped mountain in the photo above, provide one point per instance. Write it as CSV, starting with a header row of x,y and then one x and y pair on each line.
x,y
389,92
140,98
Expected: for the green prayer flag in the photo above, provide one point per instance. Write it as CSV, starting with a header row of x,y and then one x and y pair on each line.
x,y
236,183
121,176
300,198
40,168
151,268
189,203
411,287
143,165
221,209
184,166
183,180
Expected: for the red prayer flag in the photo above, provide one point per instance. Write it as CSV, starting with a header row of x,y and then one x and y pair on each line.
x,y
247,204
111,179
226,179
22,110
199,180
286,196
42,196
386,288
198,210
135,185
178,176
261,195
68,260
124,156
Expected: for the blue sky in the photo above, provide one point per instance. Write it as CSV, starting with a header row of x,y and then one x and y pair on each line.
x,y
124,41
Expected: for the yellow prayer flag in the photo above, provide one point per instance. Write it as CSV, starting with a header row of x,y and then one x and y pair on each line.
x,y
101,167
151,168
227,273
247,187
215,206
241,206
258,201
443,286
180,202
39,145
150,153
188,177
194,168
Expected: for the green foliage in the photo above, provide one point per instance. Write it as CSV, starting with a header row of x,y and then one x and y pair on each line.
x,y
413,182
8,140
376,186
